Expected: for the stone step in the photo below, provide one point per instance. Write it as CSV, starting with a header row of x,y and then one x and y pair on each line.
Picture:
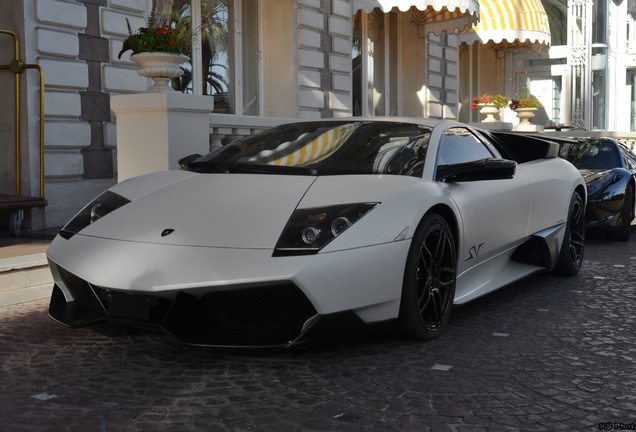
x,y
24,278
26,294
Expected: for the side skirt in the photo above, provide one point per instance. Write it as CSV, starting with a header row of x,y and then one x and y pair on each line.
x,y
542,248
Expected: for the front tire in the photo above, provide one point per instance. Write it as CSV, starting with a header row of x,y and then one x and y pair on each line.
x,y
428,289
573,247
627,214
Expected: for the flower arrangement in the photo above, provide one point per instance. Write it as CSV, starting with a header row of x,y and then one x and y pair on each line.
x,y
497,100
527,101
167,37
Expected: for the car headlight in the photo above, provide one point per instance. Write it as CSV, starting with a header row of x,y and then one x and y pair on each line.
x,y
602,183
95,210
309,230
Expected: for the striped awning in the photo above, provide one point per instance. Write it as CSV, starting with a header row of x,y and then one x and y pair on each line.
x,y
435,16
510,24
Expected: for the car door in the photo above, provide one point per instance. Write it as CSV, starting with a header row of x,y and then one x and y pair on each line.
x,y
494,213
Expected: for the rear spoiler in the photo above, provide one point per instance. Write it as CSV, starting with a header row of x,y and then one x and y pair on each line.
x,y
553,150
524,147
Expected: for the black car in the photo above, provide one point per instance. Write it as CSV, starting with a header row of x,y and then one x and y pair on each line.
x,y
609,169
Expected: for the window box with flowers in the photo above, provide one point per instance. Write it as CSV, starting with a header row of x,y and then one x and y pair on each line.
x,y
159,49
489,105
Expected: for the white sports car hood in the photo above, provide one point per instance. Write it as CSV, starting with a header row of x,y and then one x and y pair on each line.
x,y
212,210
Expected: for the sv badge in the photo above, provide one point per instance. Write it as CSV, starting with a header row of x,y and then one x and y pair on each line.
x,y
473,252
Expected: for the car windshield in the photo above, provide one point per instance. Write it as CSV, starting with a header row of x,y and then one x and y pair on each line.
x,y
324,148
591,154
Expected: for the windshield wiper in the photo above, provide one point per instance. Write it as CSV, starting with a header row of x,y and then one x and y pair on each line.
x,y
234,167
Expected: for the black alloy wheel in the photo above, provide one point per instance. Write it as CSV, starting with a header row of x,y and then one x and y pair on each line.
x,y
428,290
573,247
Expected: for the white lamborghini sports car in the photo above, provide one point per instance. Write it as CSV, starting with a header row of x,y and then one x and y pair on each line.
x,y
312,229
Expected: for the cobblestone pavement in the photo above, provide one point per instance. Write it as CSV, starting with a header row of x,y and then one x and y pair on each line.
x,y
545,354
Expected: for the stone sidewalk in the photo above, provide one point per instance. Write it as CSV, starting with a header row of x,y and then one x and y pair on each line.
x,y
544,354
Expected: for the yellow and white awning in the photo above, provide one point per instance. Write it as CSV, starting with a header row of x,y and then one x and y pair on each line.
x,y
510,24
308,148
436,16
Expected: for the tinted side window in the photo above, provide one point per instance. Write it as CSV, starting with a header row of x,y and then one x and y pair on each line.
x,y
591,154
459,145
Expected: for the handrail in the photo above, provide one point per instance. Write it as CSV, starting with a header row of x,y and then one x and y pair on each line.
x,y
17,67
17,107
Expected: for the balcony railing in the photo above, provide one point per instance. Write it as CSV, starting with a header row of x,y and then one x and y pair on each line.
x,y
226,128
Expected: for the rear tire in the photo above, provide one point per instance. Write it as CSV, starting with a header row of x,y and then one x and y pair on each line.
x,y
428,289
573,246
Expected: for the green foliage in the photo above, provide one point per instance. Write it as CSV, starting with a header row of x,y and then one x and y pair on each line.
x,y
157,39
527,101
497,100
171,36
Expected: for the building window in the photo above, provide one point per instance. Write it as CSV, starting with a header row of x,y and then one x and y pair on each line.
x,y
599,64
375,63
226,57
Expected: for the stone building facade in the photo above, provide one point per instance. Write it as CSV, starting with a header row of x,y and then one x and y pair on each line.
x,y
304,61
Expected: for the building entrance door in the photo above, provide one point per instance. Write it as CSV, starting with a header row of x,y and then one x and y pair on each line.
x,y
548,89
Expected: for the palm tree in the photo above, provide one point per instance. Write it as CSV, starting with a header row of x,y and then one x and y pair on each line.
x,y
214,43
215,81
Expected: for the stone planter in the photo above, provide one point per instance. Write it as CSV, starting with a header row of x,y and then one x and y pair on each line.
x,y
524,115
160,67
489,110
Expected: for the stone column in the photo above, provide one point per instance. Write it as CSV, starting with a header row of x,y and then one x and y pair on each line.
x,y
155,130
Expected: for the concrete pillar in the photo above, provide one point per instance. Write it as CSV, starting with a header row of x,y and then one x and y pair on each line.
x,y
155,130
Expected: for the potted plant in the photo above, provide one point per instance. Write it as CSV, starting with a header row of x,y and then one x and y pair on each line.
x,y
525,107
159,49
489,105
497,100
527,101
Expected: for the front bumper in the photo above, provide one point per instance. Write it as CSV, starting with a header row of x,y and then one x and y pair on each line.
x,y
224,297
274,316
604,214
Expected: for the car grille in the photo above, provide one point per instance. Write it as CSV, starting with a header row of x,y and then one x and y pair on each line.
x,y
269,315
259,316
257,307
80,290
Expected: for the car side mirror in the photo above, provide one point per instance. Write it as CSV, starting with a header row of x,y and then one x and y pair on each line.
x,y
185,162
483,169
